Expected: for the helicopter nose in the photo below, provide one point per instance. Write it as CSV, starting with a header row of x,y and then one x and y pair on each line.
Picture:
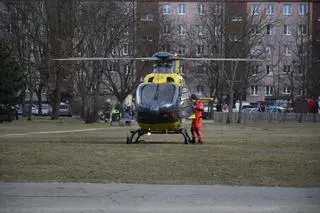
x,y
154,108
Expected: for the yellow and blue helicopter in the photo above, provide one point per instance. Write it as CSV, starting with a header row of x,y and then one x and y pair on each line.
x,y
162,102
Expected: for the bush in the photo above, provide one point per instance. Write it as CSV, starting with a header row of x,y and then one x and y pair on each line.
x,y
5,114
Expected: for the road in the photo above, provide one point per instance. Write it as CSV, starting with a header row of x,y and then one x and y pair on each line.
x,y
138,198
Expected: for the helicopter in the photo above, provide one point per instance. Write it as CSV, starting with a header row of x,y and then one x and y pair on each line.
x,y
162,100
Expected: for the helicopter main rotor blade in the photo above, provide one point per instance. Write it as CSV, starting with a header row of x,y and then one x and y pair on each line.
x,y
153,59
220,59
103,59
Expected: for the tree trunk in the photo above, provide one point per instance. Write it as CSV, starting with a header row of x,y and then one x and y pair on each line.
x,y
240,110
56,102
30,106
300,117
39,102
229,115
90,108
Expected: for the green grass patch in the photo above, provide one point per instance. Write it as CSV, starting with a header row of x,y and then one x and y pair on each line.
x,y
259,155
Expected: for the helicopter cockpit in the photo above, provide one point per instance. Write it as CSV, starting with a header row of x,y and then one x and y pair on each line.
x,y
157,101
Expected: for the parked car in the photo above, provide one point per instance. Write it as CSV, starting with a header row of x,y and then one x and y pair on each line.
x,y
274,109
35,110
206,110
252,110
65,109
19,109
46,109
244,105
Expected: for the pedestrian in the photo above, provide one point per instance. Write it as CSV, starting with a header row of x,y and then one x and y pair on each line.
x,y
196,125
225,108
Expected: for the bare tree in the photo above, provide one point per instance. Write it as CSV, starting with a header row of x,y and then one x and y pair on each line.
x,y
19,31
61,17
106,34
234,36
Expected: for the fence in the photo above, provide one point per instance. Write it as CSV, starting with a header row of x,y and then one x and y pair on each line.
x,y
221,117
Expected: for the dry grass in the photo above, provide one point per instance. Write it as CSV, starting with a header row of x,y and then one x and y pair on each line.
x,y
268,154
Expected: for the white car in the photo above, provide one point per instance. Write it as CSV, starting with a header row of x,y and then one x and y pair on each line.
x,y
34,110
65,109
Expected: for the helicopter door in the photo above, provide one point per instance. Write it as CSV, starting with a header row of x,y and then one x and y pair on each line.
x,y
185,103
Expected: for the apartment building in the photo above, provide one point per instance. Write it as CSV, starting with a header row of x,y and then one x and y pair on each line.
x,y
315,72
289,32
286,42
180,31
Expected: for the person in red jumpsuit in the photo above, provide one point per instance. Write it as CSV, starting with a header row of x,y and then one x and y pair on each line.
x,y
196,125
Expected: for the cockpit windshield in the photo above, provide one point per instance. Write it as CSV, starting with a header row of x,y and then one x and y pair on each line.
x,y
163,94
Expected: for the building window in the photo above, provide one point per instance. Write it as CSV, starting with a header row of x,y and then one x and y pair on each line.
x,y
167,28
199,30
182,50
235,38
201,9
301,92
147,17
125,49
287,50
269,70
182,30
200,49
268,51
216,30
286,68
237,18
287,9
166,48
166,9
200,89
287,29
301,70
114,51
254,90
302,29
255,9
255,50
254,70
286,90
214,50
269,90
127,70
303,9
217,8
147,37
112,67
270,9
269,29
181,9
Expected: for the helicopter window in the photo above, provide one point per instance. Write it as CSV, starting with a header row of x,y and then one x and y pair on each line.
x,y
163,68
184,97
171,80
150,79
162,94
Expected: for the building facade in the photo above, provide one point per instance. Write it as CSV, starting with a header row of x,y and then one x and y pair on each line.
x,y
287,37
287,46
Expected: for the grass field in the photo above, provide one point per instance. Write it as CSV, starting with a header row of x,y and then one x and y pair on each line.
x,y
259,154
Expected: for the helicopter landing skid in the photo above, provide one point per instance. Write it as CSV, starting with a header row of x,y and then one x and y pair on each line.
x,y
136,134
